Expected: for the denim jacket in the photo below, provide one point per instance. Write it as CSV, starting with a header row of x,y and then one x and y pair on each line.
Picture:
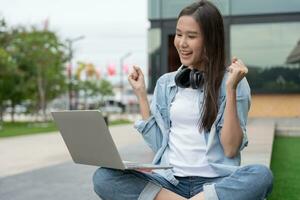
x,y
155,130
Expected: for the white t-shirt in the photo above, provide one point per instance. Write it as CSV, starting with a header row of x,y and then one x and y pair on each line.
x,y
186,144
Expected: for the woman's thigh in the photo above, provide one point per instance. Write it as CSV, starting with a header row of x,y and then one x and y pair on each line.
x,y
251,182
113,184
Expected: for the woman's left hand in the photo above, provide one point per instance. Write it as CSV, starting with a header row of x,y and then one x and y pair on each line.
x,y
237,71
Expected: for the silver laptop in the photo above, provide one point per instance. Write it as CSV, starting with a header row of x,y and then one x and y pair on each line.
x,y
89,141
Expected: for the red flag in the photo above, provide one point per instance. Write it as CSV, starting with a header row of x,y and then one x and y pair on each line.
x,y
111,70
125,68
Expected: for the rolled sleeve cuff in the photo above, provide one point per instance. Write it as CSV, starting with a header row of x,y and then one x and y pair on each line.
x,y
210,192
140,124
244,141
245,137
150,191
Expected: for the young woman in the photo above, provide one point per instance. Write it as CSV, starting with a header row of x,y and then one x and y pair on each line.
x,y
196,123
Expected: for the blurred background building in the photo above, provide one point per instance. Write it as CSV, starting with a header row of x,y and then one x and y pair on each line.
x,y
264,34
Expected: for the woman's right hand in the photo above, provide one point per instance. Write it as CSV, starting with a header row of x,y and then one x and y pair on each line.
x,y
137,81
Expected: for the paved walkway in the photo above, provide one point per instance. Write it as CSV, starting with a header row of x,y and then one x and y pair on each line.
x,y
39,166
261,134
26,153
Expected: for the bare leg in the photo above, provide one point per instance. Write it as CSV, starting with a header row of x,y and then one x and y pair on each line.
x,y
199,196
165,194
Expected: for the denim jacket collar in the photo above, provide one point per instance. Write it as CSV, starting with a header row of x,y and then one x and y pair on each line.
x,y
172,81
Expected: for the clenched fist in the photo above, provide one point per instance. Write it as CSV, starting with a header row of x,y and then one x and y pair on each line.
x,y
137,82
237,71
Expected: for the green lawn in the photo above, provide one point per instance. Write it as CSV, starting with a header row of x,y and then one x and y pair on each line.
x,y
286,168
26,128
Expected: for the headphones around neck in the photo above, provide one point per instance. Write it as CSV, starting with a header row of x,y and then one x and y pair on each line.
x,y
187,77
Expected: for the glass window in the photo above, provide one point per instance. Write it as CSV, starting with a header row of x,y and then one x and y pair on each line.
x,y
171,9
243,7
264,48
154,9
154,48
223,6
154,39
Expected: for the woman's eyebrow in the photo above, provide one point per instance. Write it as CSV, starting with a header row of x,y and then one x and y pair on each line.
x,y
192,32
188,32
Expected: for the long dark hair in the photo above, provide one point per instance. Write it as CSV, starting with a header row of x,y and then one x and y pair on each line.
x,y
213,56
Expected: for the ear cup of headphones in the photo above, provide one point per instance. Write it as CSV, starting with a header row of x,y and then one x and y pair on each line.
x,y
182,78
196,79
192,79
187,77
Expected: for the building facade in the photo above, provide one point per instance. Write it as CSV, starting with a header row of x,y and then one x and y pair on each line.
x,y
264,34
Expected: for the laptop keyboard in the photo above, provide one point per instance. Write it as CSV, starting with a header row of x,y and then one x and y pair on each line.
x,y
139,165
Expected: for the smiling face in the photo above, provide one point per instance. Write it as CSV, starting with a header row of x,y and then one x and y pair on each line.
x,y
189,41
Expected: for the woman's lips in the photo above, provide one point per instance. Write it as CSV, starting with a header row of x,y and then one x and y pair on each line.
x,y
185,54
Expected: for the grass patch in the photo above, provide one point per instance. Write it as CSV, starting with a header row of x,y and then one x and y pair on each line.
x,y
10,129
286,168
27,128
119,122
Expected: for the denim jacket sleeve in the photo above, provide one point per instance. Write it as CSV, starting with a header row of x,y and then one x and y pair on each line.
x,y
243,106
152,128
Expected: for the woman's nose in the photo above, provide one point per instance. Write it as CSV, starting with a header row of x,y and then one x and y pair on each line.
x,y
183,42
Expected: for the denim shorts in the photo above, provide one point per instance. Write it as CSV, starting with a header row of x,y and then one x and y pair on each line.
x,y
252,182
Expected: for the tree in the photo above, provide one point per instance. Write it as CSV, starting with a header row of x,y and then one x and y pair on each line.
x,y
92,85
6,81
41,55
11,78
89,85
105,89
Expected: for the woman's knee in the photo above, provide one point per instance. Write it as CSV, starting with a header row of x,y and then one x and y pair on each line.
x,y
102,179
264,176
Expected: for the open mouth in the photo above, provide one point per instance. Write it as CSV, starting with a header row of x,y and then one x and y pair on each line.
x,y
185,54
